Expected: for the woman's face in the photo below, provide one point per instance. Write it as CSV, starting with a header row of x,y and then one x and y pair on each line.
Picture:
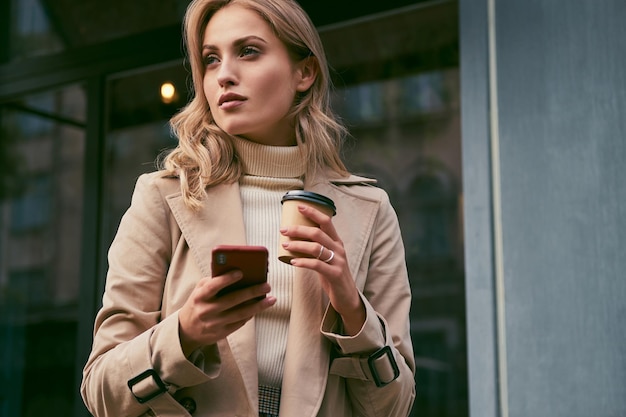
x,y
250,81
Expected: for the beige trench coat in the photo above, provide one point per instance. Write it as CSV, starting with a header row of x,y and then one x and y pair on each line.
x,y
162,249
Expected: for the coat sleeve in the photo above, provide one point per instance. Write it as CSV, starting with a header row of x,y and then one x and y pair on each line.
x,y
130,335
387,298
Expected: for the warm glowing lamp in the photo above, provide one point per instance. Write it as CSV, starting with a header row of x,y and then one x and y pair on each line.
x,y
168,92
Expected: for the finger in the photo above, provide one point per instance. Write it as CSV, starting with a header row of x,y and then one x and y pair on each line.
x,y
330,263
308,248
245,311
210,286
322,219
319,266
218,317
308,234
244,295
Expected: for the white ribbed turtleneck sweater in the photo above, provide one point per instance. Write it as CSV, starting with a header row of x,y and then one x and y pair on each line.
x,y
269,172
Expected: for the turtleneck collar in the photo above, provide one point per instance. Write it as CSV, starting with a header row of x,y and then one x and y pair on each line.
x,y
269,161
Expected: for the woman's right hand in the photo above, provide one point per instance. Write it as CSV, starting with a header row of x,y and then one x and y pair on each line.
x,y
206,318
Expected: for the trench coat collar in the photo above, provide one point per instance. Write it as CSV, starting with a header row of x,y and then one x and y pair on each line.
x,y
220,221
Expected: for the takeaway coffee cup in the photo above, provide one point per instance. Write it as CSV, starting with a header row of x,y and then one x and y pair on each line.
x,y
292,216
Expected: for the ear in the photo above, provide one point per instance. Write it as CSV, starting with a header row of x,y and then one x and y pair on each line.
x,y
306,73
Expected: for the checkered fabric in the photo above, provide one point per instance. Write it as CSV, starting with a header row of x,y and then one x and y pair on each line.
x,y
269,401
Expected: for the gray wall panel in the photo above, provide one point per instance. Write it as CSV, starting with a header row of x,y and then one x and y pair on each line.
x,y
562,135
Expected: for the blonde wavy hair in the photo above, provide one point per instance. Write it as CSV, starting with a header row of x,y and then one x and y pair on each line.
x,y
205,155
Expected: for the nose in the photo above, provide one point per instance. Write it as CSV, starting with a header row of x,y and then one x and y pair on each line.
x,y
227,73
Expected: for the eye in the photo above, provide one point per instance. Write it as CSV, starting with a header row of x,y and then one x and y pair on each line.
x,y
249,51
210,59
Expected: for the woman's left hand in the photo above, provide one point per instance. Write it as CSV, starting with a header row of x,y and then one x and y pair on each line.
x,y
328,259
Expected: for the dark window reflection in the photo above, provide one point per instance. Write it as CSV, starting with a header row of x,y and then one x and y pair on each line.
x,y
31,287
41,186
45,27
398,91
137,131
32,31
32,209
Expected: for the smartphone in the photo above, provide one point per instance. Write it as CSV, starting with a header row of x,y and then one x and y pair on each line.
x,y
252,261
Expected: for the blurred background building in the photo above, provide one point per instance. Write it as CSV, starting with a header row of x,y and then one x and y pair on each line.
x,y
514,240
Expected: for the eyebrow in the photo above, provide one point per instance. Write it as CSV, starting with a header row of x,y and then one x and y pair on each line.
x,y
237,43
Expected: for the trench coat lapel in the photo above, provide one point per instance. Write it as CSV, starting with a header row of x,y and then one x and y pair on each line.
x,y
220,221
307,359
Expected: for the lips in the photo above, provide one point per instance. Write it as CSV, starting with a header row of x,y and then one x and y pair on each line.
x,y
230,99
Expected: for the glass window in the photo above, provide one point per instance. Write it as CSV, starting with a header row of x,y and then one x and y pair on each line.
x,y
30,286
31,210
32,32
41,201
138,131
44,27
398,92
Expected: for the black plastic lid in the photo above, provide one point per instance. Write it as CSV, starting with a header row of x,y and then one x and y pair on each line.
x,y
311,197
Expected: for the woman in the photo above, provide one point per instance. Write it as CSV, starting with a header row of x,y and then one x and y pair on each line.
x,y
331,336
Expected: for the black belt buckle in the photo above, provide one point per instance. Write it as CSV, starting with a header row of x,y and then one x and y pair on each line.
x,y
157,380
384,351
